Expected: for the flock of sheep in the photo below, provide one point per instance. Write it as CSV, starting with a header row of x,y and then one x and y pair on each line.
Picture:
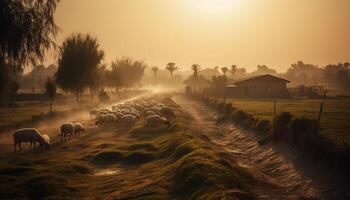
x,y
155,115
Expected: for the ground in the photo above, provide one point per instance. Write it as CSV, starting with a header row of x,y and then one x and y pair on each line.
x,y
334,119
194,158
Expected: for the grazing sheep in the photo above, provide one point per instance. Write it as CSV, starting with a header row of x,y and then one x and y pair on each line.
x,y
167,112
103,119
67,129
150,113
100,120
78,128
29,135
128,118
156,120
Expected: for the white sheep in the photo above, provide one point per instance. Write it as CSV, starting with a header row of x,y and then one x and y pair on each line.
x,y
156,120
67,129
128,118
167,112
29,135
78,128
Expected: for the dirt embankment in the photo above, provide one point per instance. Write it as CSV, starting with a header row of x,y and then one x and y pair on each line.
x,y
296,175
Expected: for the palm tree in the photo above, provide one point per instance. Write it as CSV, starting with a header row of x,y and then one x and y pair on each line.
x,y
51,89
224,70
233,70
195,68
155,71
171,67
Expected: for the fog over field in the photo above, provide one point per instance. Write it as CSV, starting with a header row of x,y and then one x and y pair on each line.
x,y
185,99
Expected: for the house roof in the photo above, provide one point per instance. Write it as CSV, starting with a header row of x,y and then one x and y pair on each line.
x,y
266,77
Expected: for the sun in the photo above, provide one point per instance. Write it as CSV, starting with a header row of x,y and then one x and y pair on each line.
x,y
215,7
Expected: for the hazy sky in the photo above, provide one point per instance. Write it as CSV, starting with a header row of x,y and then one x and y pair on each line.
x,y
214,32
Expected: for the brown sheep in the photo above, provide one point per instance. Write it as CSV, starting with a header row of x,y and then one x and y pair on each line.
x,y
30,135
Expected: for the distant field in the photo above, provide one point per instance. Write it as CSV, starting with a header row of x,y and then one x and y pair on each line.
x,y
24,111
335,120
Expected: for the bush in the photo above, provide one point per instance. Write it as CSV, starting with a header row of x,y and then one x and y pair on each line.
x,y
220,107
280,125
229,108
244,119
305,135
263,125
103,96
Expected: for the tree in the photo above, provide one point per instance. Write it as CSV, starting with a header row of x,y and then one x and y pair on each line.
x,y
171,67
51,89
27,29
126,73
155,71
233,70
78,63
219,85
195,69
224,70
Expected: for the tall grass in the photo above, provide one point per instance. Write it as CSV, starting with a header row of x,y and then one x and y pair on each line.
x,y
301,132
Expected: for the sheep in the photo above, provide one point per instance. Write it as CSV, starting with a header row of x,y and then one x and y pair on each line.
x,y
128,118
78,128
167,112
149,113
67,129
156,120
106,119
29,135
100,120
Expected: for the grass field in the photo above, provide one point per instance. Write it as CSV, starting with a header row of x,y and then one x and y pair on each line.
x,y
24,111
334,121
127,162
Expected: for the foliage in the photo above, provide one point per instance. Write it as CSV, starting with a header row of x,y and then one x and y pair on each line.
x,y
195,69
155,70
317,91
103,96
171,67
218,84
280,125
27,29
224,70
233,70
126,73
78,63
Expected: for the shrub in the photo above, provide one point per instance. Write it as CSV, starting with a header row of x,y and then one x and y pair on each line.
x,y
263,125
280,125
220,107
244,119
229,108
305,135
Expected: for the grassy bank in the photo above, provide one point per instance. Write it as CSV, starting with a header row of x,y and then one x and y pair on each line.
x,y
334,121
175,162
299,131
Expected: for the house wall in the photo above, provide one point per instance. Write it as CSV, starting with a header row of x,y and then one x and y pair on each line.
x,y
259,89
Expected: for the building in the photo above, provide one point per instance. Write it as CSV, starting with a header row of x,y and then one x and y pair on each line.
x,y
263,86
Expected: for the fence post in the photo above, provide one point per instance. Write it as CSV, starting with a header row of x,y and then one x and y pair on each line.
x,y
319,114
274,110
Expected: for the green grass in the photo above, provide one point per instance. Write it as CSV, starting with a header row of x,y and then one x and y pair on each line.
x,y
334,121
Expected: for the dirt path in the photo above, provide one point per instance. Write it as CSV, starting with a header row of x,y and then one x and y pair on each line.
x,y
294,176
